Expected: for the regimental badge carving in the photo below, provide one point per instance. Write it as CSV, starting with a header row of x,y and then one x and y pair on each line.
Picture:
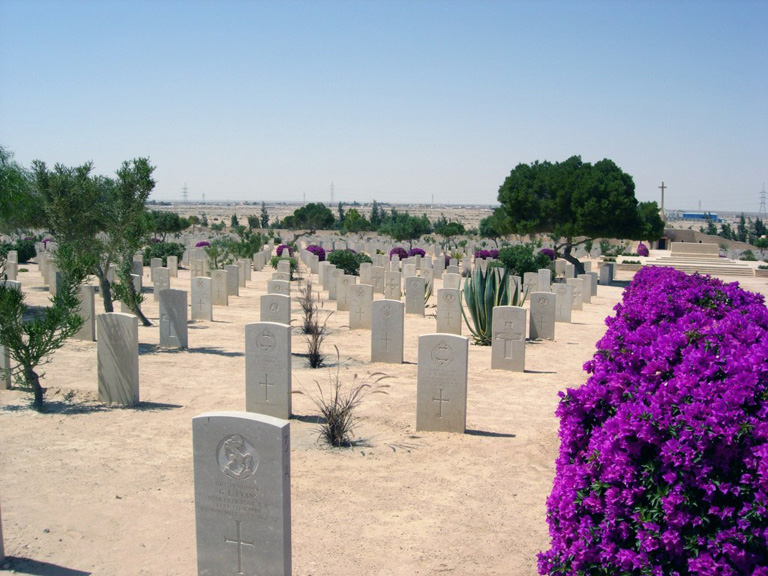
x,y
386,310
199,284
360,293
442,354
273,307
236,457
449,297
266,341
542,302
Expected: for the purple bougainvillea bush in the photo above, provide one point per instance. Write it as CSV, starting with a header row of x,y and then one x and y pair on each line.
x,y
482,254
318,251
202,244
284,248
417,252
400,252
663,466
549,253
642,250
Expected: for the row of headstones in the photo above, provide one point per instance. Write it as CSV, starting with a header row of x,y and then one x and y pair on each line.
x,y
242,460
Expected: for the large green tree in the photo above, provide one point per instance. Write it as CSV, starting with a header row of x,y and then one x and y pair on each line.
x,y
575,202
312,217
19,202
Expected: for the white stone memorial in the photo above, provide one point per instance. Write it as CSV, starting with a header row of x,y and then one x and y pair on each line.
x,y
173,319
441,390
242,494
268,369
414,295
387,331
508,333
448,312
202,308
542,319
275,308
563,302
117,354
87,312
220,293
360,301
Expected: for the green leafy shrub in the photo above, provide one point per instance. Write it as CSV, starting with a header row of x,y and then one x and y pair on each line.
x,y
748,256
25,249
163,250
348,260
275,259
522,258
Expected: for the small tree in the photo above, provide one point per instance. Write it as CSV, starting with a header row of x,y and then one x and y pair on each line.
x,y
264,216
31,336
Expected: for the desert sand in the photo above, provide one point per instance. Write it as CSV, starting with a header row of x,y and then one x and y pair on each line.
x,y
89,489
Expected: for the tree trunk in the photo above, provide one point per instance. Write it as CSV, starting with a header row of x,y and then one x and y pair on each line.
x,y
33,381
106,291
136,309
572,259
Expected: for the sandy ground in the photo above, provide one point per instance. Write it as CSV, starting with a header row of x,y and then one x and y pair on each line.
x,y
87,489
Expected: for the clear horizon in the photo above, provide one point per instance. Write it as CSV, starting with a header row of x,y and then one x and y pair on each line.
x,y
393,101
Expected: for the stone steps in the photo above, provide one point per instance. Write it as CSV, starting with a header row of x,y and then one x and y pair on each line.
x,y
704,266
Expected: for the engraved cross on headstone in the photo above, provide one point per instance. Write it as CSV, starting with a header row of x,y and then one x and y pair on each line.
x,y
386,340
240,543
266,385
440,403
509,336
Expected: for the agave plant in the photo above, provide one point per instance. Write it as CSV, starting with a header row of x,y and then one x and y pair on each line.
x,y
482,291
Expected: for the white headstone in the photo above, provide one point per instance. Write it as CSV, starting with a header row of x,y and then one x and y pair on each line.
x,y
275,308
360,301
392,285
448,312
578,292
233,279
343,285
173,265
441,391
542,321
414,295
508,346
563,302
242,494
5,368
87,312
544,279
118,358
268,369
219,291
586,294
387,331
173,319
452,281
161,281
202,308
279,287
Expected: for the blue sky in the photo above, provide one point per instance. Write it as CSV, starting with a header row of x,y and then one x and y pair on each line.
x,y
396,101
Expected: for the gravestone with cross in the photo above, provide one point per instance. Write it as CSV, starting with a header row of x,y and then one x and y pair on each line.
x,y
377,279
196,268
242,268
360,301
542,320
392,284
387,331
324,270
275,308
117,353
333,284
438,265
570,270
268,369
154,263
531,282
284,266
563,302
508,333
220,294
242,494
578,290
5,368
202,309
560,268
344,283
594,281
173,319
544,279
161,281
441,390
448,312
233,279
414,295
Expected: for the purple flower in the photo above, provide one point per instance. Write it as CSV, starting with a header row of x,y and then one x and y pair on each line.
x,y
202,244
549,253
400,252
417,252
318,251
664,450
283,248
642,249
